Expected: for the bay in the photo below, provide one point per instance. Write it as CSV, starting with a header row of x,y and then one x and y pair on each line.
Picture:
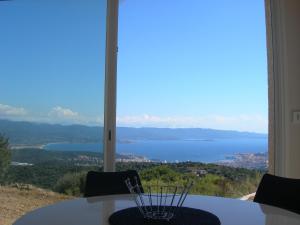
x,y
176,150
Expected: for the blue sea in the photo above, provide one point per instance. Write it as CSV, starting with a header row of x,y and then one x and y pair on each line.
x,y
177,150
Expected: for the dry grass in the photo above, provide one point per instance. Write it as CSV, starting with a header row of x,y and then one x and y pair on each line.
x,y
17,200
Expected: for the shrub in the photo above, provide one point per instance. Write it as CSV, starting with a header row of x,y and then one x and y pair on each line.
x,y
5,156
71,184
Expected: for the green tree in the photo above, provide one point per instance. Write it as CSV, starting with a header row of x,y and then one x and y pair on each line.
x,y
5,156
71,184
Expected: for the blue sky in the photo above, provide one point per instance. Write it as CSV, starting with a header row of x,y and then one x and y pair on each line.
x,y
52,60
181,63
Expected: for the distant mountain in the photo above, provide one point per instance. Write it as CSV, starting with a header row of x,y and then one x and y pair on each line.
x,y
129,133
29,133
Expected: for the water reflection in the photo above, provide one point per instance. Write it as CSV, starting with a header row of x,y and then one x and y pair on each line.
x,y
106,205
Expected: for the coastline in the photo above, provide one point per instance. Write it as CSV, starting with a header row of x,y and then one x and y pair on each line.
x,y
21,146
159,153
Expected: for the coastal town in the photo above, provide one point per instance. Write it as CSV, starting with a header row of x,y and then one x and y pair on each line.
x,y
247,160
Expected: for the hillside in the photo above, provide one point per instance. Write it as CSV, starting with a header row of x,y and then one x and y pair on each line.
x,y
28,133
209,179
148,133
22,199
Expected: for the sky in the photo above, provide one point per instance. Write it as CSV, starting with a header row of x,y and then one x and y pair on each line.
x,y
181,63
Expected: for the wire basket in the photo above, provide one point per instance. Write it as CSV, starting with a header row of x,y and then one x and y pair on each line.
x,y
159,202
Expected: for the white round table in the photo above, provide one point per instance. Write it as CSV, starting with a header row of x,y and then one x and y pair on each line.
x,y
96,211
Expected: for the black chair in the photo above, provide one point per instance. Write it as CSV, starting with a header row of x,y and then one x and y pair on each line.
x,y
279,191
109,183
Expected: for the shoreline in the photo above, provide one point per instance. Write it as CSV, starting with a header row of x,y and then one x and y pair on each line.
x,y
40,146
251,160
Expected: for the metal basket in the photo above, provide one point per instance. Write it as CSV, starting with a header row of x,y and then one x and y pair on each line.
x,y
159,202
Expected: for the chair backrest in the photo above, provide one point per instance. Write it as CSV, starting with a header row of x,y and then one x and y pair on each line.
x,y
279,191
109,183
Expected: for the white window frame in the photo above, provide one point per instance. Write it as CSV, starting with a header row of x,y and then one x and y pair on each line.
x,y
110,96
276,87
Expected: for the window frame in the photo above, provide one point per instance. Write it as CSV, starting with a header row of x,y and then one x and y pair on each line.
x,y
276,136
110,96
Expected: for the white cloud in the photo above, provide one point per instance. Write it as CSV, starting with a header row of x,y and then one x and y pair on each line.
x,y
98,120
61,112
11,111
255,123
58,114
63,115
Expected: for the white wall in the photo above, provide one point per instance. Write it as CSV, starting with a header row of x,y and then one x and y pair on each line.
x,y
292,77
284,83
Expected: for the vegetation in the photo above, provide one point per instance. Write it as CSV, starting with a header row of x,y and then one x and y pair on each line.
x,y
151,174
71,184
44,175
38,156
4,156
209,184
65,172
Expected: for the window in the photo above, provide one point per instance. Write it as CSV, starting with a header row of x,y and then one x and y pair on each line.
x,y
52,98
192,89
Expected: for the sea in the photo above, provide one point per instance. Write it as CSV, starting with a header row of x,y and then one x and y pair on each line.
x,y
176,150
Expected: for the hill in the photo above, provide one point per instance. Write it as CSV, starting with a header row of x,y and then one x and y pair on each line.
x,y
20,199
148,133
29,133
